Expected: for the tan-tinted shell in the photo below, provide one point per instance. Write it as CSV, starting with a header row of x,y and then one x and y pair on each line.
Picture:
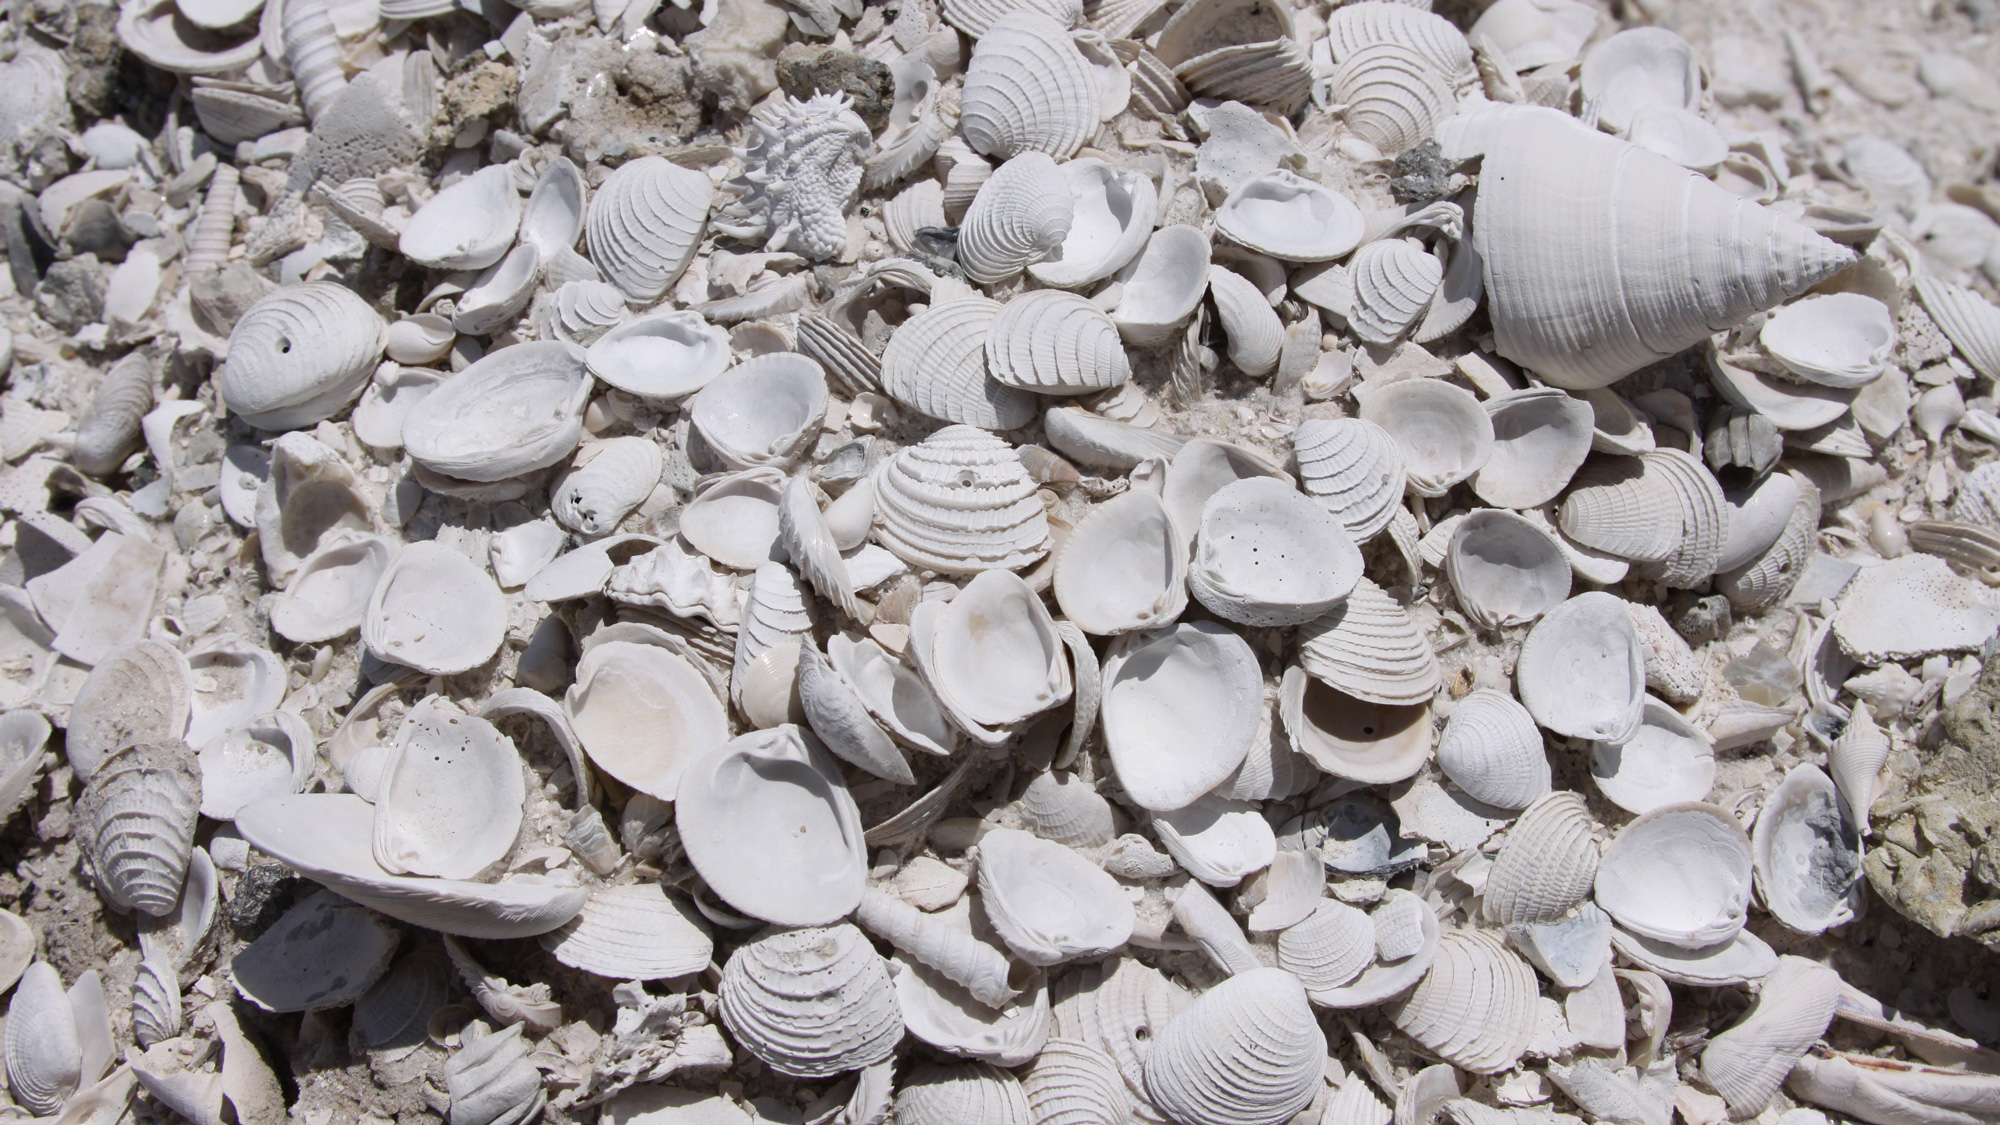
x,y
139,693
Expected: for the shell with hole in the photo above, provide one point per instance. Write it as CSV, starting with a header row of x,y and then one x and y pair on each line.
x,y
1028,89
137,817
1124,568
434,610
960,502
1679,874
1246,1052
1491,749
300,355
450,798
592,498
644,224
1113,211
1181,707
1807,853
1665,760
1582,672
1444,433
811,1002
765,411
1048,903
1022,213
991,655
1506,570
1477,1005
1267,555
1056,343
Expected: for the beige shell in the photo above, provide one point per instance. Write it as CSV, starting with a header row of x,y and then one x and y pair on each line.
x,y
1806,853
1581,671
1444,433
1246,1051
139,693
1055,343
1124,568
1370,648
1354,469
434,610
1679,874
765,411
1855,760
992,655
1115,209
1491,749
1476,1007
644,713
44,1058
1048,903
300,355
1028,89
1395,280
1664,761
1546,867
1747,1063
1506,570
517,410
1072,1082
1181,708
935,364
137,818
633,932
811,1002
960,1092
1329,948
1022,213
961,502
1268,556
645,222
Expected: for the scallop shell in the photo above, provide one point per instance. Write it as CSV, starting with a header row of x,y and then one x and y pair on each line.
x,y
1181,707
1540,439
137,816
1546,867
1747,1063
762,412
1370,648
633,932
1493,751
594,499
1970,321
517,410
434,610
1162,285
811,1002
1268,556
1855,761
1028,89
959,502
43,1055
935,364
1022,213
156,1003
644,713
1445,435
644,224
1582,672
1835,340
268,756
1506,570
109,431
1124,568
138,693
1288,217
1807,853
1113,211
991,654
1394,94
1354,469
1055,343
1072,1082
450,799
960,1092
1679,874
1665,761
300,355
1246,1052
1329,948
323,953
1046,902
1355,27
1476,1007
948,949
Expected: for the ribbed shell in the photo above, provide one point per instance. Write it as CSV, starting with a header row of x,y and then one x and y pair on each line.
x,y
1476,1007
491,1081
935,364
1246,1052
585,310
1394,96
633,932
1054,343
1354,469
1547,865
44,1058
1492,750
1970,321
961,1093
1704,517
811,1002
156,1003
644,224
1329,947
139,693
960,502
1028,89
299,355
840,352
1276,72
1022,213
1767,579
1394,281
312,53
1356,27
977,17
1747,1063
109,430
1256,336
779,608
138,814
208,241
1074,1083
1370,648
1617,507
1066,809
974,965
396,1010
1854,761
1121,1007
593,500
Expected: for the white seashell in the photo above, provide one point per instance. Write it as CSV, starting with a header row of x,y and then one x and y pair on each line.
x,y
1395,280
1540,439
1506,570
552,219
946,1016
800,177
1747,1063
1807,853
729,807
322,953
1571,952
491,1081
1585,323
1679,874
644,713
1064,808
1364,740
1055,343
449,800
960,501
1971,322
991,654
24,755
1370,648
1857,1085
395,1012
1212,930
839,717
936,942
1617,427
271,755
1355,27
633,932
1048,903
161,36
1665,761
517,410
976,17
232,683
644,224
139,693
1493,751
1072,1082
1201,468
594,499
1395,95
467,226
1788,405
156,1003
1445,435
44,1057
1028,89
1113,211
1247,1051
734,518
137,816
1124,568
1836,340
1236,51
585,310
300,355
811,1002
1672,668
499,293
1855,761
1354,469
1758,516
894,694
312,54
1643,68
935,364
385,404
434,610
1286,216
1022,213
1283,894
1329,948
1911,607
1546,867
1181,707
812,545
1581,671
763,411
1978,498
109,431
976,1091
1100,442
777,615
1255,334
1268,556
1162,285
1476,1007
1119,1006
1216,840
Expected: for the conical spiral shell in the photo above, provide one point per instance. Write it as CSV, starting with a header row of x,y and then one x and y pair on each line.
x,y
1394,281
312,51
299,355
1370,648
110,429
208,243
1246,1052
1073,1083
1022,212
1854,761
644,224
44,1059
1394,96
1547,866
156,1003
1764,581
1476,1007
1329,947
1055,343
1356,27
811,1002
1747,1063
960,502
1354,469
960,1093
1492,749
138,815
1119,1006
935,364
1028,89
961,958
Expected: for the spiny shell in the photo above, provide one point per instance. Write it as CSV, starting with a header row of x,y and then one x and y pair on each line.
x,y
1246,1052
1492,750
1048,903
1354,469
644,224
1370,648
138,815
935,364
1678,874
1022,212
434,610
1124,568
800,176
1506,570
44,1058
1855,761
811,1002
1329,947
1747,1063
633,932
138,693
959,501
1476,1007
1027,89
1807,854
1547,865
1581,671
961,1092
1055,343
1181,707
299,355
1072,1082
1445,435
1268,556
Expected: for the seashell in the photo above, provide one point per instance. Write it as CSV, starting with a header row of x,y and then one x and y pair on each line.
x,y
585,310
1581,671
1246,1051
733,519
322,953
1181,707
1540,439
1978,498
1046,902
1571,952
1022,213
300,356
1506,570
1493,751
467,226
952,952
1395,95
811,1002
1072,1082
387,401
499,293
1329,948
434,610
1113,210
312,54
1162,285
24,755
1203,467
948,1018
1594,325
1120,1007
1255,334
1835,340
1354,469
270,755
138,693
1865,1086
1063,808
1758,516
1370,648
958,502
491,1082
156,1003
138,814
1350,737
812,545
1969,321
1617,427
394,1012
1395,280
1911,607
935,364
449,801
44,1057
970,1091
1268,556
552,219
232,683
991,655
1355,27
1443,432
1212,930
633,932
1635,70
729,805
1546,867
1028,89
1103,443
800,177
109,431
161,36
1258,61
1855,761
1124,568
593,499
1218,841
1665,761
208,239
517,410
1747,1063
1285,216
644,714
778,614
1807,853
763,411
1476,1007
976,17
893,693
1283,894
644,224
1679,874
1055,343
963,171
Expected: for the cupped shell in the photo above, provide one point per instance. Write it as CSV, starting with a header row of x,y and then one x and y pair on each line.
x,y
1540,439
44,1059
661,355
1665,761
943,1014
765,411
935,364
645,222
837,714
1835,339
1506,570
1445,435
1048,903
1476,1007
467,226
1162,285
139,693
1493,751
1546,867
1022,213
1747,1063
1268,556
1807,854
1246,1052
1055,343
1582,671
894,693
633,932
960,502
269,756
1114,210
300,355
1028,89
1354,469
1124,568
811,1002
1288,217
1370,647
137,818
1329,947
733,518
450,799
434,610
1360,739
1181,707
992,654
1679,874
517,410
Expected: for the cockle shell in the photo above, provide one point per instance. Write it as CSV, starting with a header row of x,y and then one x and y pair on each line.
x,y
1124,568
1394,95
1971,322
270,755
1540,439
1546,867
1354,469
1476,1007
1072,1082
644,224
936,365
1354,27
1492,750
811,1002
1329,947
1162,285
1066,809
1022,213
491,1081
467,226
499,293
761,412
1286,216
1506,570
959,501
449,801
800,176
1679,874
1237,50
991,654
1664,761
1048,903
1055,343
1268,556
1203,467
1855,761
517,410
1445,435
1181,707
643,714
1394,282
1834,340
1370,648
1119,1006
1246,1052
138,693
1113,211
300,355
973,1091
1028,89
1807,853
811,543
1581,671
109,430
322,953
434,610
137,816
44,1058
156,1003
1747,1063
633,932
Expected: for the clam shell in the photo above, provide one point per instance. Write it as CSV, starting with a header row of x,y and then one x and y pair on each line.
x,y
1855,761
935,364
1355,27
1493,751
1072,1082
1028,89
395,1011
156,1003
1354,469
499,293
1268,556
1100,442
434,610
660,355
552,219
946,1016
1703,524
1618,506
811,1002
386,404
467,226
44,1058
1048,903
961,502
1162,285
1835,339
594,499
1275,72
1395,280
1022,212
1546,867
777,619
991,654
643,714
1288,217
137,816
1665,761
174,938
1911,607
1113,212
1571,952
1181,707
1394,94
584,310
138,693
268,756
517,410
1506,570
450,799
762,412
1679,874
1476,1007
1445,435
160,35
1120,1007
1747,1063
1066,809
1124,568
232,683
644,224
1283,894
300,355
1203,467
1360,739
1970,321
958,1092
1807,853
323,953
633,932
1581,671
837,714
1246,1052
1540,439
1216,840
1055,343
1329,948
894,694
1370,648
733,518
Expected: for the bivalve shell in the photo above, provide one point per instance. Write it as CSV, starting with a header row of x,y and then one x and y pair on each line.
x,y
1028,89
1747,1063
156,1003
1369,647
1329,947
1180,710
138,693
1246,1052
517,410
322,953
1394,95
1582,672
961,1092
1268,556
1288,217
1124,568
1394,282
1359,739
811,1002
44,1058
935,364
137,816
467,226
1055,343
329,595
1048,903
1679,874
594,499
268,756
1445,435
643,713
1506,570
1114,210
299,355
1493,751
1540,439
434,610
766,411
1970,321
1911,607
645,222
1022,212
1546,867
894,693
1665,761
991,654
1354,469
633,932
1119,1006
959,502
1835,339
1807,854
661,355
1476,1007
1072,1082
1162,285
449,802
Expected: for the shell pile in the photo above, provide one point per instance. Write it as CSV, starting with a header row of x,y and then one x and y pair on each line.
x,y
1003,562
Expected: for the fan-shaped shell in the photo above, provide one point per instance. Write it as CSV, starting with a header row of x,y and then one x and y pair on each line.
x,y
1666,760
137,816
1072,1082
139,693
467,226
633,932
1048,903
643,714
1119,1006
156,1003
434,610
1238,50
1702,525
1066,809
395,1011
1113,210
517,410
1835,339
764,411
935,364
959,1092
1354,469
322,953
1747,1063
1124,568
1855,761
1028,89
449,802
811,1002
1679,874
1268,556
1286,216
271,755
1618,506
1394,281
1329,947
1540,439
109,431
585,310
1476,1007
1546,867
1807,854
1246,1052
976,17
1181,707
1970,321
991,654
1492,750
959,501
1355,27
300,355
1581,671
644,223
1395,96
1370,648
1055,343
1445,435
1506,570
1022,212
661,355
1162,285
43,1055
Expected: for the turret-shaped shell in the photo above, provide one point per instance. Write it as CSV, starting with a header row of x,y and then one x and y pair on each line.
x,y
312,53
1476,1007
1028,89
1354,469
811,1002
137,817
1547,865
961,1092
1855,761
1124,568
1055,343
1246,1052
138,693
1181,708
491,1081
1445,435
1679,874
1747,1063
1072,1082
449,801
644,224
951,951
1581,671
1048,903
959,501
991,654
766,411
1370,648
109,430
300,355
1806,853
935,364
1505,569
434,610
1022,212
1492,750
800,177
44,1058
593,499
517,410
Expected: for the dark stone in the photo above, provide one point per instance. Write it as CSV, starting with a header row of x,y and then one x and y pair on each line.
x,y
1699,619
1423,175
71,294
94,229
805,70
262,896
